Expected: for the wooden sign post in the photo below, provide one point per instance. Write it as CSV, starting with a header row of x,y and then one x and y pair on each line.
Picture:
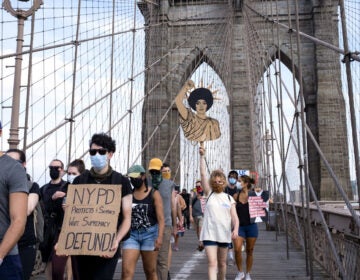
x,y
90,221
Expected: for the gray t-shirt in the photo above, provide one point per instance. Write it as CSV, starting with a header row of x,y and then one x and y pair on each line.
x,y
166,188
12,179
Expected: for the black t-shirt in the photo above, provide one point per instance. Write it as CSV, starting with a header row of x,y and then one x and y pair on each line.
x,y
52,208
119,179
230,191
28,237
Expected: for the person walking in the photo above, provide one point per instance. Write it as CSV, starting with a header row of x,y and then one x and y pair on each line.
x,y
248,230
102,149
196,211
147,227
220,220
13,214
62,264
27,243
186,212
231,189
51,195
166,188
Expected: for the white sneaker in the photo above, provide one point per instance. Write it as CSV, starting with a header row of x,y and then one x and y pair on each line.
x,y
247,276
239,275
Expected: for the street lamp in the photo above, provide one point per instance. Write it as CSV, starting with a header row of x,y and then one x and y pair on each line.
x,y
21,15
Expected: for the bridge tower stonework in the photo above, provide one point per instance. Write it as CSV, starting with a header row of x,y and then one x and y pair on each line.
x,y
179,44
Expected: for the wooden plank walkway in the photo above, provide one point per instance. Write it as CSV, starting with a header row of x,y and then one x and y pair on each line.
x,y
270,261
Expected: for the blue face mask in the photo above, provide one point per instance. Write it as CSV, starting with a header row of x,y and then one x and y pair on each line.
x,y
98,161
232,181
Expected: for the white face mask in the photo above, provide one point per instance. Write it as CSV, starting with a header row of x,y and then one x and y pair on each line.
x,y
70,178
238,186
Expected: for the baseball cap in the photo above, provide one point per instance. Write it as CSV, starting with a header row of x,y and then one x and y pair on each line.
x,y
155,164
135,171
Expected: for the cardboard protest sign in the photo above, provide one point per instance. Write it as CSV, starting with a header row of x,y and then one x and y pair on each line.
x,y
256,208
90,221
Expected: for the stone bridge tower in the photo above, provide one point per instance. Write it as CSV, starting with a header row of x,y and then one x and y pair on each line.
x,y
179,44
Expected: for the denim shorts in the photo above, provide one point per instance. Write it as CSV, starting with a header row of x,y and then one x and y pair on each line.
x,y
215,243
249,231
142,240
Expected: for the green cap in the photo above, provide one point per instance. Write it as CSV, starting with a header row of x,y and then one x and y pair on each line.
x,y
135,171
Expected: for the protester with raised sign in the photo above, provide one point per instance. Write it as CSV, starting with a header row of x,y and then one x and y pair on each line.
x,y
147,227
248,229
13,204
220,220
102,148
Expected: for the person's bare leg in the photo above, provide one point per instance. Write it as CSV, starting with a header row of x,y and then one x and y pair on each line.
x,y
211,253
250,244
129,260
149,264
238,242
222,255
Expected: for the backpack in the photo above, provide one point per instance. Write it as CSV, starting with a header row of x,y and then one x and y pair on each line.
x,y
38,220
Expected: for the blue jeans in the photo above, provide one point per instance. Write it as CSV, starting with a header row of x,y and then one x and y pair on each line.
x,y
11,268
142,240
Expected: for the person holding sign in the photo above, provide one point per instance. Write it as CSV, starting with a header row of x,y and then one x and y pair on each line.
x,y
197,126
147,227
220,220
102,266
248,229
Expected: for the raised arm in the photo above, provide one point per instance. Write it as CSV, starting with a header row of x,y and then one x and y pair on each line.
x,y
180,98
204,180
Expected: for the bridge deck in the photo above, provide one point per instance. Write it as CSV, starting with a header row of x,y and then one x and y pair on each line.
x,y
270,260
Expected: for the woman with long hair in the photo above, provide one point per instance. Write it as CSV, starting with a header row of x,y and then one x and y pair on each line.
x,y
248,229
220,220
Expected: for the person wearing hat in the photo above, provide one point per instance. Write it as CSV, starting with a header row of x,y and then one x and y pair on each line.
x,y
197,126
167,191
147,226
13,214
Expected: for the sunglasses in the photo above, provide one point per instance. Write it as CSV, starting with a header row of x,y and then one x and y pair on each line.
x,y
155,172
54,167
101,151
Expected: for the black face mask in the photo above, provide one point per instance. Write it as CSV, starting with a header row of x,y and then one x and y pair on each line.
x,y
136,182
54,173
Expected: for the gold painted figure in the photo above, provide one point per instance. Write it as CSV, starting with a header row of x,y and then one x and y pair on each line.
x,y
197,126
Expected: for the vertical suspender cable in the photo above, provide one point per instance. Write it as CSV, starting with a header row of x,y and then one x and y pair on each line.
x,y
28,83
347,60
131,83
305,169
111,67
71,119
